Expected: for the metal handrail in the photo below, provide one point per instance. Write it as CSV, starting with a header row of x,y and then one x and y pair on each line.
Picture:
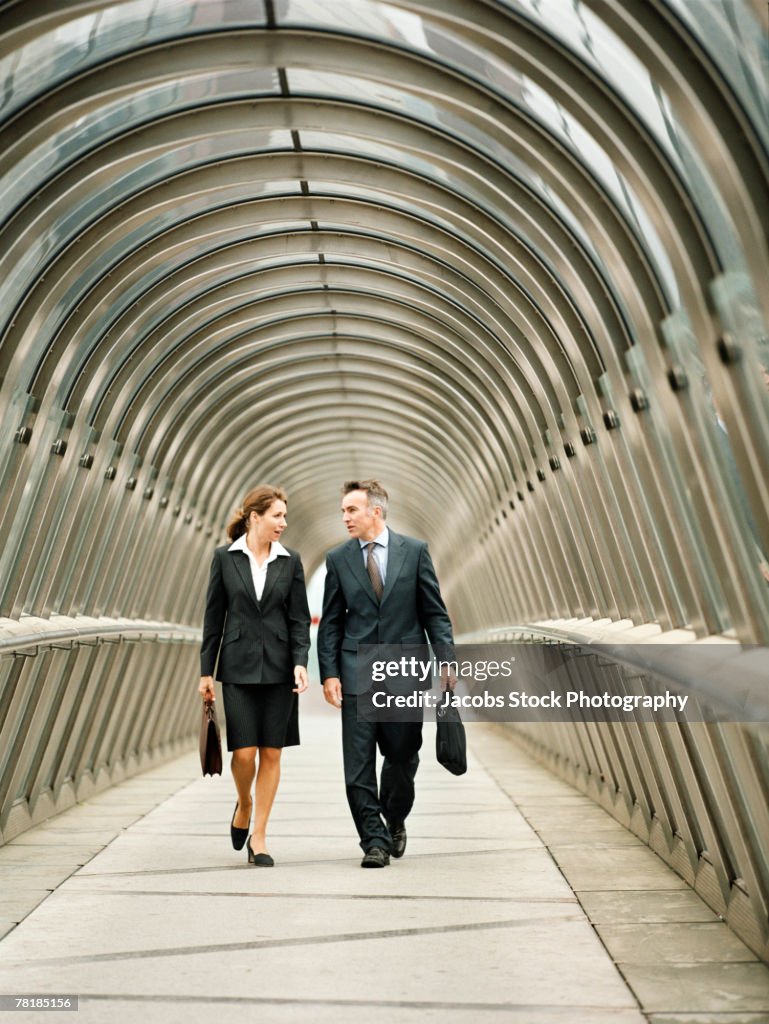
x,y
20,636
730,676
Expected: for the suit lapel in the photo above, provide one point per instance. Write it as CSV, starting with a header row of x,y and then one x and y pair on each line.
x,y
274,571
244,568
396,555
354,557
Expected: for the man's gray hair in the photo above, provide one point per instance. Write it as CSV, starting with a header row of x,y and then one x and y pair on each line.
x,y
375,493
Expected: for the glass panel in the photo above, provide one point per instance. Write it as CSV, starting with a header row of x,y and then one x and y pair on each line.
x,y
539,103
338,85
121,116
738,307
740,46
463,186
132,179
741,51
303,81
76,45
575,25
600,165
715,445
743,322
567,20
705,194
668,468
361,146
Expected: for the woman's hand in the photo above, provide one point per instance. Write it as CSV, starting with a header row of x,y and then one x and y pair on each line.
x,y
206,688
300,678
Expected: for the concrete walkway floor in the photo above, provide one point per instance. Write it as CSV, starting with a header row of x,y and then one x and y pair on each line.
x,y
518,901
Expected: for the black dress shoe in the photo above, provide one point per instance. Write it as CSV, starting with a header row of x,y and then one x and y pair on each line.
x,y
376,857
260,860
398,834
238,835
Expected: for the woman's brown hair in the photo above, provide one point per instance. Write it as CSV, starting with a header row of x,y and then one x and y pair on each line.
x,y
257,500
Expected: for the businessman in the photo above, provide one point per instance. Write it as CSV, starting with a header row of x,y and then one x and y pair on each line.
x,y
381,588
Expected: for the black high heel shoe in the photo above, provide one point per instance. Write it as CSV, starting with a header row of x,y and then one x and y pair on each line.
x,y
238,835
259,860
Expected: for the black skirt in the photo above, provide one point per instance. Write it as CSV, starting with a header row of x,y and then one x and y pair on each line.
x,y
264,715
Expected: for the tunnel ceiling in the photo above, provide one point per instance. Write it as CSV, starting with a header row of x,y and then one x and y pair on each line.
x,y
501,255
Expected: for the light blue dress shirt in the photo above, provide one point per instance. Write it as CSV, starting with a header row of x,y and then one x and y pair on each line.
x,y
379,553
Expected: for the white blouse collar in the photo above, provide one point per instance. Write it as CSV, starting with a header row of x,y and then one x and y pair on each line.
x,y
276,549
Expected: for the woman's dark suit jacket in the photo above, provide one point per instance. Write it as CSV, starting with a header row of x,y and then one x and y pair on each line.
x,y
257,641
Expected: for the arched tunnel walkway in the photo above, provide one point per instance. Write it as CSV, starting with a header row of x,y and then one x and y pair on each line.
x,y
510,256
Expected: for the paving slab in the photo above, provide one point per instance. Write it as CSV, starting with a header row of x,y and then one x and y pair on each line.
x,y
85,816
674,943
595,868
60,831
43,853
17,902
591,836
51,844
41,876
700,988
662,905
709,1018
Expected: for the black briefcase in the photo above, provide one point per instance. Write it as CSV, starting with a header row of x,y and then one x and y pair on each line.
x,y
450,740
210,741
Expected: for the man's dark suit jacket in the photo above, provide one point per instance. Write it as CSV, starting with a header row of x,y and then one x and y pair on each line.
x,y
257,641
411,606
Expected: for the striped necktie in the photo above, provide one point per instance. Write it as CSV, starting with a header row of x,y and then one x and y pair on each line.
x,y
373,571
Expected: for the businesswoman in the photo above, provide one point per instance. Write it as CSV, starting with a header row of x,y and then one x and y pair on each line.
x,y
258,624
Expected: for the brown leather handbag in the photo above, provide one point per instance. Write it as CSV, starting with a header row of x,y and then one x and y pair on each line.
x,y
210,741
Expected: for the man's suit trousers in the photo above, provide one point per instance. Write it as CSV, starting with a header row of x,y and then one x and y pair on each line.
x,y
399,743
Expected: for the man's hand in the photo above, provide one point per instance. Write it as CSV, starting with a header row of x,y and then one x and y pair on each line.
x,y
300,678
332,691
206,688
448,678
